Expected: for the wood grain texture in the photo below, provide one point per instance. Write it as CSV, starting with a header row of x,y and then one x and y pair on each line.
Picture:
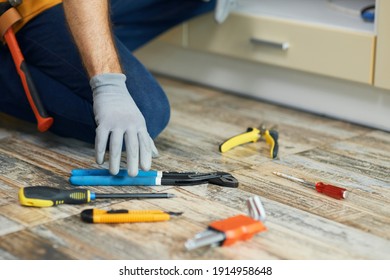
x,y
301,223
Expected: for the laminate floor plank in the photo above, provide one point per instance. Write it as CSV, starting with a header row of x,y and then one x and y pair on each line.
x,y
315,227
301,223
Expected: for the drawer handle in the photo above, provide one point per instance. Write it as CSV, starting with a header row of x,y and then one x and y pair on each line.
x,y
278,45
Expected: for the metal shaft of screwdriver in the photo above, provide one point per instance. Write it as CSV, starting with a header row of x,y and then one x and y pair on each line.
x,y
295,179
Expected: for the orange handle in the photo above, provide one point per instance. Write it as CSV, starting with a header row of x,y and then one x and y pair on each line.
x,y
44,121
332,191
238,228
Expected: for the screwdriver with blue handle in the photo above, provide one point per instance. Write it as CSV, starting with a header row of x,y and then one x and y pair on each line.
x,y
253,135
42,196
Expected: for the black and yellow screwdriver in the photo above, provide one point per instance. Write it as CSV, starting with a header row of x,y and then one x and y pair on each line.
x,y
42,196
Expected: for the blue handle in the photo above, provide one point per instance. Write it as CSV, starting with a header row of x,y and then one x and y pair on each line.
x,y
112,181
106,172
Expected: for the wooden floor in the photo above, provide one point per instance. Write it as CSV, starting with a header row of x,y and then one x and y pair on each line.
x,y
302,224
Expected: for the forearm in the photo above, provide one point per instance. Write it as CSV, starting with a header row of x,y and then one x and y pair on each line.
x,y
89,24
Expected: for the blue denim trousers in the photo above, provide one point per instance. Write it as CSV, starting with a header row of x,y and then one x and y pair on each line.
x,y
61,79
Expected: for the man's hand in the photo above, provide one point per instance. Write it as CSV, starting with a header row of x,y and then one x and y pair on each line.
x,y
118,118
116,114
223,9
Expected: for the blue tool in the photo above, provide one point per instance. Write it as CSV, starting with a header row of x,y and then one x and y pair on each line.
x,y
368,13
102,177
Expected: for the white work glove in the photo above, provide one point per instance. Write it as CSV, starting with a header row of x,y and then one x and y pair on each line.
x,y
118,117
223,9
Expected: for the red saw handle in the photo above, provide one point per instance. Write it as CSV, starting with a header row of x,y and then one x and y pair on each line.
x,y
43,119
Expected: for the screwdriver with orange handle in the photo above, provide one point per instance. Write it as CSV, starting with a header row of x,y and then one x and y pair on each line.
x,y
9,16
326,189
125,216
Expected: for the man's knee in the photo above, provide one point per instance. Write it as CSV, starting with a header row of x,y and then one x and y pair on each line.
x,y
159,117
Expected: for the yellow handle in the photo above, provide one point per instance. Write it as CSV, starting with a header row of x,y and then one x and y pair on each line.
x,y
36,202
271,137
43,196
132,216
135,212
252,135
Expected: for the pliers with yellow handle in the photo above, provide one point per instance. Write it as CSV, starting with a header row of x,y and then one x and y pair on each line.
x,y
253,134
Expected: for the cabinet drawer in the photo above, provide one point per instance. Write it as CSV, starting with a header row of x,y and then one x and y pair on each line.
x,y
318,49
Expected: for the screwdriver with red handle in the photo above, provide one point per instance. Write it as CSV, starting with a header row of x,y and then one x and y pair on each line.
x,y
326,189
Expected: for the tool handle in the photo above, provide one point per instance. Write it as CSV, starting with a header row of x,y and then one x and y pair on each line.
x,y
113,181
106,172
271,137
251,135
42,196
330,190
44,121
237,228
123,216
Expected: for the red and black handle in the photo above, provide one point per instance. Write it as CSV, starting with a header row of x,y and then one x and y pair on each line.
x,y
43,119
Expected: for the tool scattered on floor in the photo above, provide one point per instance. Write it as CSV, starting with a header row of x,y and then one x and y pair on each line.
x,y
102,177
326,189
229,231
8,17
253,134
42,196
126,216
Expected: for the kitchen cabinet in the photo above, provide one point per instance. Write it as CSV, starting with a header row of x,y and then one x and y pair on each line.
x,y
306,54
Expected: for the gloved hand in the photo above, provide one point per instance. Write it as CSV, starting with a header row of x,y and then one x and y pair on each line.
x,y
118,117
223,9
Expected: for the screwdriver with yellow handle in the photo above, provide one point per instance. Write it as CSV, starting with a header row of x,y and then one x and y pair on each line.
x,y
125,216
43,196
326,189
